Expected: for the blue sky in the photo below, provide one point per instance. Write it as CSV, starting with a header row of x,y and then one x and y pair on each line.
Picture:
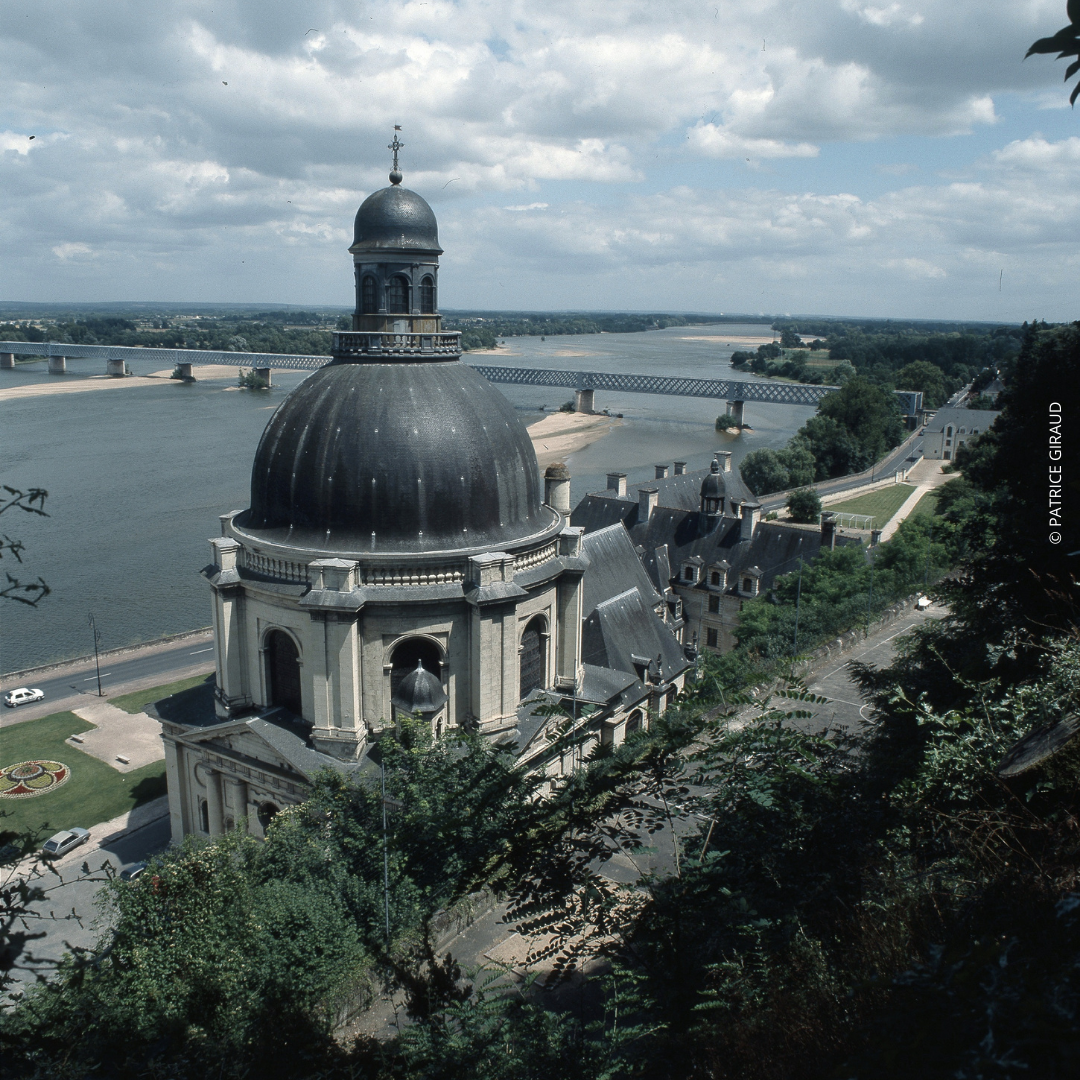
x,y
836,157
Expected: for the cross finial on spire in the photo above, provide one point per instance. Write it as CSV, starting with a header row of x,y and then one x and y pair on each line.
x,y
395,174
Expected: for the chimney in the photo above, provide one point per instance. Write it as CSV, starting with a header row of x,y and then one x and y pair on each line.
x,y
647,500
661,472
680,468
616,481
828,531
875,537
557,488
724,457
750,512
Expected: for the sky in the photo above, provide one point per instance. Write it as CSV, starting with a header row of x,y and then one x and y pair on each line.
x,y
834,157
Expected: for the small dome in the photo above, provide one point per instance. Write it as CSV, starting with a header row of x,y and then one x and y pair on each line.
x,y
395,219
714,485
557,471
420,692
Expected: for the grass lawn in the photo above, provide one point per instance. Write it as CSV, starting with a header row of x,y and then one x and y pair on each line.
x,y
882,504
95,792
138,701
927,505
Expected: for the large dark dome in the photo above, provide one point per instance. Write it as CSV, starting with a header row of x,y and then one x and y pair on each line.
x,y
396,457
395,219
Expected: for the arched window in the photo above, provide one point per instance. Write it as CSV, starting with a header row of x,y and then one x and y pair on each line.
x,y
427,296
397,296
633,722
531,655
369,300
405,656
283,668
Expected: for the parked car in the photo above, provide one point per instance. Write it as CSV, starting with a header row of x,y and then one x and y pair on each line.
x,y
63,842
22,696
132,871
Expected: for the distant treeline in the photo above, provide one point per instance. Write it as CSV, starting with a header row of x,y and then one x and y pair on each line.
x,y
898,357
263,332
481,330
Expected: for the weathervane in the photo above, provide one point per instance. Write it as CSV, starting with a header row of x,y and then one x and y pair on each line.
x,y
395,175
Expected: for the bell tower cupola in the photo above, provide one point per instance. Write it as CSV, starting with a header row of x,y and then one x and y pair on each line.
x,y
395,254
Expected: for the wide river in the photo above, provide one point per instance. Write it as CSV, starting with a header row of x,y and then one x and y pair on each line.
x,y
138,476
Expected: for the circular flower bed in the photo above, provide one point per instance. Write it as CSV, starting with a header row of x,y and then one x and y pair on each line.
x,y
27,779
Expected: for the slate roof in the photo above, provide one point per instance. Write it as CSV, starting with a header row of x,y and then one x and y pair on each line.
x,y
614,567
625,635
977,419
677,537
601,509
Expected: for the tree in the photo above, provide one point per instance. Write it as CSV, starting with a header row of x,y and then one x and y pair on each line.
x,y
789,338
870,413
764,471
1066,42
835,450
31,501
925,377
804,506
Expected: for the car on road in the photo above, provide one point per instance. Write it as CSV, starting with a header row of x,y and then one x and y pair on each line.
x,y
22,696
64,841
132,871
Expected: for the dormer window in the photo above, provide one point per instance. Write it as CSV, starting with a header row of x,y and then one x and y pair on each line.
x,y
715,579
689,573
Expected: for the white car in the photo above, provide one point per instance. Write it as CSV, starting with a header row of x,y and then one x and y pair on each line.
x,y
22,696
63,842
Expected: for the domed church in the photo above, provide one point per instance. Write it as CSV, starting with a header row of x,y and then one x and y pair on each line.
x,y
400,555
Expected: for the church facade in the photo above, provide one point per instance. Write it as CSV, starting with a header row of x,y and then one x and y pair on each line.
x,y
402,555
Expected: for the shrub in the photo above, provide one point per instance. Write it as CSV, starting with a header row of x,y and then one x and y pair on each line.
x,y
804,506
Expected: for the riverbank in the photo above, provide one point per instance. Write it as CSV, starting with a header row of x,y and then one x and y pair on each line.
x,y
560,434
82,384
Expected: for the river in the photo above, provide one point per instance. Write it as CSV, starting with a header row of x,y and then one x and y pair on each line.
x,y
137,476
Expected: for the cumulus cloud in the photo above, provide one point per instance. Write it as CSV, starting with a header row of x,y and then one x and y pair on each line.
x,y
714,141
225,146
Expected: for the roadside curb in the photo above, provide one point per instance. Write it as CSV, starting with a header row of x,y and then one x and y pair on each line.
x,y
101,834
78,661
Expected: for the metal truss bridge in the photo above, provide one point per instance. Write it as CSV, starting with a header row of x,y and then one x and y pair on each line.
x,y
585,383
776,393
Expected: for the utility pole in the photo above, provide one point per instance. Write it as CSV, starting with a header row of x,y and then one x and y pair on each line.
x,y
385,848
798,597
870,597
97,665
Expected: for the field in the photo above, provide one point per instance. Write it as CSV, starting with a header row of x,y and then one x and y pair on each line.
x,y
882,504
94,793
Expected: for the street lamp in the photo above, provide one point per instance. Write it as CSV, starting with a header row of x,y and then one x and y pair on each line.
x,y
97,640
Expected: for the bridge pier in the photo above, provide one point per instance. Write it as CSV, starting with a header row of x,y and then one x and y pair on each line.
x,y
7,361
57,365
115,367
264,374
583,401
184,371
735,411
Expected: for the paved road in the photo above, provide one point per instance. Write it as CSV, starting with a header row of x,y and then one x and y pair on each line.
x,y
123,673
67,915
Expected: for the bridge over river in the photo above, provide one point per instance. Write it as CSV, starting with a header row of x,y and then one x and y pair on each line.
x,y
400,346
